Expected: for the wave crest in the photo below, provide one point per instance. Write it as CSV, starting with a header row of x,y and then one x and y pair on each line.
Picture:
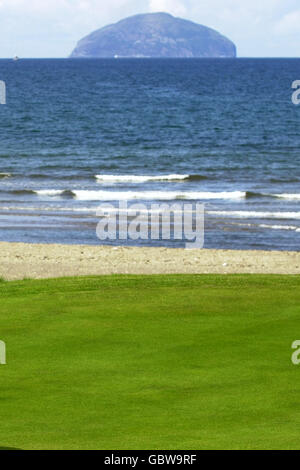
x,y
145,178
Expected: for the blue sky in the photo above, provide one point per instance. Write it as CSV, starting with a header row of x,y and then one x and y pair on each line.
x,y
51,28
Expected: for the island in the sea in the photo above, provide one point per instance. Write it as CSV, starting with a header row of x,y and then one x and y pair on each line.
x,y
154,35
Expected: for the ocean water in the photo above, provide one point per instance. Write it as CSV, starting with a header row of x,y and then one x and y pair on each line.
x,y
78,133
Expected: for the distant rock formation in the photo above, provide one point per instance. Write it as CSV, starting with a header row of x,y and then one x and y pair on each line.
x,y
155,35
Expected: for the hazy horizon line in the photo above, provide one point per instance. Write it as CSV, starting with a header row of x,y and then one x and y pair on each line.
x,y
150,58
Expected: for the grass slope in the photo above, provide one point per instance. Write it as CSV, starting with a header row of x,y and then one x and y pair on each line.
x,y
159,362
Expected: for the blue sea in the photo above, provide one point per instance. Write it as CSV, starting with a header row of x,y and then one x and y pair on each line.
x,y
78,133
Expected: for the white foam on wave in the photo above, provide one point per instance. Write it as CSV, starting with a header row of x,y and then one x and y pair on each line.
x,y
5,175
257,214
139,178
49,192
48,209
153,195
288,196
281,227
272,227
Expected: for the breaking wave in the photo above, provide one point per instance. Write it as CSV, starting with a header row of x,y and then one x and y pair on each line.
x,y
144,178
256,214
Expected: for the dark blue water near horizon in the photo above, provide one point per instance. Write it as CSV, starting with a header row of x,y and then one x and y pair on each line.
x,y
220,131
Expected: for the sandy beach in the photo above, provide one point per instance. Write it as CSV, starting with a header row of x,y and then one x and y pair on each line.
x,y
20,261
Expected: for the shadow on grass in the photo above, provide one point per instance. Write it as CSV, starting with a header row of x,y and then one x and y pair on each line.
x,y
8,448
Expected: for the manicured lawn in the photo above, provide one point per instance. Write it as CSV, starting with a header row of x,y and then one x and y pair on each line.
x,y
159,362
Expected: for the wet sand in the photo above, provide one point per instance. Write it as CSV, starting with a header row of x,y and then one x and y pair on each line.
x,y
20,261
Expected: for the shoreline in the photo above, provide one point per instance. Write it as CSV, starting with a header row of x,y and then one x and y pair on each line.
x,y
40,261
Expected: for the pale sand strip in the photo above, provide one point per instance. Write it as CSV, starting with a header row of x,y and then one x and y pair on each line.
x,y
19,261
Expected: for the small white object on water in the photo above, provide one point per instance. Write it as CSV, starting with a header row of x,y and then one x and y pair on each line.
x,y
225,264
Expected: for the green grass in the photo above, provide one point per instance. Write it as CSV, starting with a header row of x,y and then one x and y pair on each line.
x,y
159,362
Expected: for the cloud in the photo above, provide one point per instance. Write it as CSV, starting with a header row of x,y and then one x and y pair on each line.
x,y
51,28
175,7
289,24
